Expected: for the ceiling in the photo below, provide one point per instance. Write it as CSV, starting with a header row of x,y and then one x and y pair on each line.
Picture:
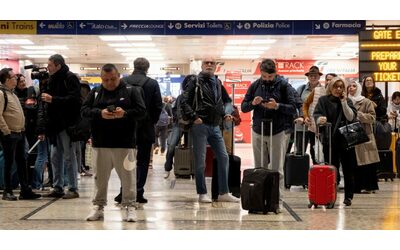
x,y
86,49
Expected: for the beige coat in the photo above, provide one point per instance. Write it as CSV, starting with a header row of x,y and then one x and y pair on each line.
x,y
367,153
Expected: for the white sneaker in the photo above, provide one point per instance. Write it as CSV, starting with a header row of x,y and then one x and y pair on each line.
x,y
228,198
96,214
166,174
131,214
204,198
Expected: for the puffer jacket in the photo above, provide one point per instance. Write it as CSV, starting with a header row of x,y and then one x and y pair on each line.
x,y
283,94
210,109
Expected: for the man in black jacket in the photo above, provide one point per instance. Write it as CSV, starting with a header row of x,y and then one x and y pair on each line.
x,y
146,127
209,97
60,109
270,98
113,109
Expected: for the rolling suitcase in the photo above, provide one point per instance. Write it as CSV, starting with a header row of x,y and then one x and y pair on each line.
x,y
208,171
260,186
297,165
183,162
322,180
385,166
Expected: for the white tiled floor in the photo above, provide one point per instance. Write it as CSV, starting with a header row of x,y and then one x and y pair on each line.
x,y
173,205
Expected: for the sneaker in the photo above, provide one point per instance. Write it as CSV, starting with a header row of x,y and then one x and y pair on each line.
x,y
86,173
166,174
227,198
71,195
279,209
9,196
204,198
54,194
96,214
118,198
131,214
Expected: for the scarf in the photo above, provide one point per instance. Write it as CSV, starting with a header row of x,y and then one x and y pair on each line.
x,y
357,97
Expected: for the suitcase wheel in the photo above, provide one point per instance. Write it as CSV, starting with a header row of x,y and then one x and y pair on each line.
x,y
330,205
304,186
287,186
310,205
391,179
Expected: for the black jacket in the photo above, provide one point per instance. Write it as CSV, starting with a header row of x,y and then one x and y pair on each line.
x,y
114,133
331,107
283,94
64,110
152,99
380,109
210,109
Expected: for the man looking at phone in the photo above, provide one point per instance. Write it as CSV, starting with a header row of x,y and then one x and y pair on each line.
x,y
270,98
113,109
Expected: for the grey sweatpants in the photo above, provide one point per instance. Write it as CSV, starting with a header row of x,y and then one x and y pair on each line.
x,y
279,146
103,161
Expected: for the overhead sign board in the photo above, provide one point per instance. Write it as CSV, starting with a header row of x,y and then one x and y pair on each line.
x,y
17,27
56,27
380,55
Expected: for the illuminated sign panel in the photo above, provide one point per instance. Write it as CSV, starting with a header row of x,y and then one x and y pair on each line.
x,y
380,55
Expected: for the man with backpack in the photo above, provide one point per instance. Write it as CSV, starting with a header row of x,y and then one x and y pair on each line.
x,y
146,126
203,104
12,137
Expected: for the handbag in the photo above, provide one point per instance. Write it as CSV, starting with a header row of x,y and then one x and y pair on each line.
x,y
353,134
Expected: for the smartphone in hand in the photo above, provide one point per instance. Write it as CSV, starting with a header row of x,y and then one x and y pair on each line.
x,y
111,108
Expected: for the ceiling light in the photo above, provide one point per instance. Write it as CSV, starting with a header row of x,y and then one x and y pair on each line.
x,y
233,42
143,44
253,52
263,41
231,52
42,56
129,54
120,44
154,58
240,57
112,38
89,68
350,45
138,38
32,52
16,41
49,47
126,49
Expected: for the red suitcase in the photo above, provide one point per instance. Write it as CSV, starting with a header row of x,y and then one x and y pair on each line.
x,y
208,171
322,182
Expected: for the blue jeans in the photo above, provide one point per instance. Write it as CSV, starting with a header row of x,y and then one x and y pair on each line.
x,y
201,134
41,159
173,141
64,152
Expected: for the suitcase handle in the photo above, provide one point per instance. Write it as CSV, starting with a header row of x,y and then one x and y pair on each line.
x,y
303,142
329,126
262,142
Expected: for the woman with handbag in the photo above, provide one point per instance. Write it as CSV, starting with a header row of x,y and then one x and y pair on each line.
x,y
366,153
336,108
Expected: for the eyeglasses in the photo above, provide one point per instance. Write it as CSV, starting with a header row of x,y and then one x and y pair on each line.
x,y
338,86
209,62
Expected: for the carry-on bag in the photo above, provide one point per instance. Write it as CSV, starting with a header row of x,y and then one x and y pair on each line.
x,y
183,162
260,187
322,184
385,166
297,164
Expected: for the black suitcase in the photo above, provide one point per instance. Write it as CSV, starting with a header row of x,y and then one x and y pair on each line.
x,y
385,166
233,177
260,190
260,186
297,165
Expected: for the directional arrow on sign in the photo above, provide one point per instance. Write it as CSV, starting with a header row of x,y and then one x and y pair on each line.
x,y
82,25
317,26
124,26
42,25
239,26
170,26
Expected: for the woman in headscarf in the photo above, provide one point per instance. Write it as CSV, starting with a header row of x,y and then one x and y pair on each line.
x,y
336,109
366,153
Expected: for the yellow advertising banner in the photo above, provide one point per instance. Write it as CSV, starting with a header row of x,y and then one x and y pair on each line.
x,y
18,27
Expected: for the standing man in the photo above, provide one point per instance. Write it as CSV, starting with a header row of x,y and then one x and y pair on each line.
x,y
146,126
304,91
113,109
12,126
270,98
61,110
209,96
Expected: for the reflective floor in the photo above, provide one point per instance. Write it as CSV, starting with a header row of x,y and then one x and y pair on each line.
x,y
173,205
